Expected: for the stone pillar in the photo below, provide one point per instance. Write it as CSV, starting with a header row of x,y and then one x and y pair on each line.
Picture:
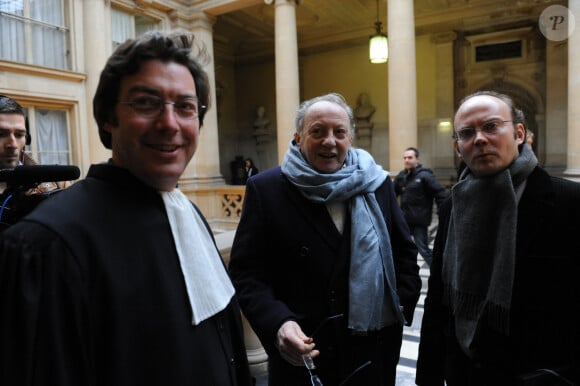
x,y
287,81
573,159
204,168
402,81
98,45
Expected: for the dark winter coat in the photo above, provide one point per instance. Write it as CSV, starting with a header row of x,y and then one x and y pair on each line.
x,y
417,190
544,318
289,262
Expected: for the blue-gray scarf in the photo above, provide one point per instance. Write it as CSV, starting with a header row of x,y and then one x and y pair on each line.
x,y
373,299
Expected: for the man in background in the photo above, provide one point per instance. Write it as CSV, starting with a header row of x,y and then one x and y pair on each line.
x,y
416,188
13,133
14,137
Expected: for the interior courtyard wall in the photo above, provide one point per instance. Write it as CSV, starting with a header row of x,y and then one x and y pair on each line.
x,y
427,115
355,74
524,78
255,87
349,72
444,161
227,115
346,71
426,77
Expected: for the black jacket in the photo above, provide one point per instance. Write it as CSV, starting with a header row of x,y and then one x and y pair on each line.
x,y
288,261
544,322
417,190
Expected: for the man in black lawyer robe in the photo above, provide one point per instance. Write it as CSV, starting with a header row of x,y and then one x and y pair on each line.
x,y
117,280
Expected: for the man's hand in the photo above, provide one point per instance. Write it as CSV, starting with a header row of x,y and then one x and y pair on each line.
x,y
292,343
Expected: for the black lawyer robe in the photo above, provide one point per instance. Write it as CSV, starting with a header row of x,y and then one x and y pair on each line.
x,y
91,293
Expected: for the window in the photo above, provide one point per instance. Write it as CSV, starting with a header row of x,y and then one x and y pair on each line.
x,y
498,51
35,32
126,26
50,136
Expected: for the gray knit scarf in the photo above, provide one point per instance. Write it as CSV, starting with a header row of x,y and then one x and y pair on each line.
x,y
373,299
479,256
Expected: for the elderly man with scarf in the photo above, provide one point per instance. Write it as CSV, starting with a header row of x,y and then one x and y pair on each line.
x,y
503,298
323,261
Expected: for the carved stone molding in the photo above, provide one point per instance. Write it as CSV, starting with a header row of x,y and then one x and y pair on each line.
x,y
444,37
270,2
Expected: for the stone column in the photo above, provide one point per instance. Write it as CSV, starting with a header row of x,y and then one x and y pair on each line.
x,y
204,168
402,81
573,159
97,47
287,82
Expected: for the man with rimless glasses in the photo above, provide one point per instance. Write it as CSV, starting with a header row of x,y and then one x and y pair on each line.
x,y
117,280
501,308
323,261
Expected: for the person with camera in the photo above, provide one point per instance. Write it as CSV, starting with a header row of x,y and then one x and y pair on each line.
x,y
13,132
14,137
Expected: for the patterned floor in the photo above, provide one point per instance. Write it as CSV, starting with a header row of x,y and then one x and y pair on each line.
x,y
408,361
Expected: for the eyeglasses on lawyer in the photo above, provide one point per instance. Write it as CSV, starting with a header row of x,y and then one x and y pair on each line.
x,y
152,107
489,128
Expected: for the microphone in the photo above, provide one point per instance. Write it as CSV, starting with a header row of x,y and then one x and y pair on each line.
x,y
28,175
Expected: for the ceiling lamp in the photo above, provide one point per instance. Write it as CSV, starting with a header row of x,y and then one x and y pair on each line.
x,y
378,43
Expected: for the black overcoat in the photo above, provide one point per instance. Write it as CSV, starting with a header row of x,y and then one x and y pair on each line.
x,y
92,294
289,262
544,318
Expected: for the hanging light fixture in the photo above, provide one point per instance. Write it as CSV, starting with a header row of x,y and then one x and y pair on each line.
x,y
378,43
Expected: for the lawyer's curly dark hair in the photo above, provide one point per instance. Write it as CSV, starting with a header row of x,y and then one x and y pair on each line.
x,y
128,59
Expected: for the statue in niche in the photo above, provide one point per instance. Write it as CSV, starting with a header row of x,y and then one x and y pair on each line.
x,y
363,126
263,137
262,122
364,111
